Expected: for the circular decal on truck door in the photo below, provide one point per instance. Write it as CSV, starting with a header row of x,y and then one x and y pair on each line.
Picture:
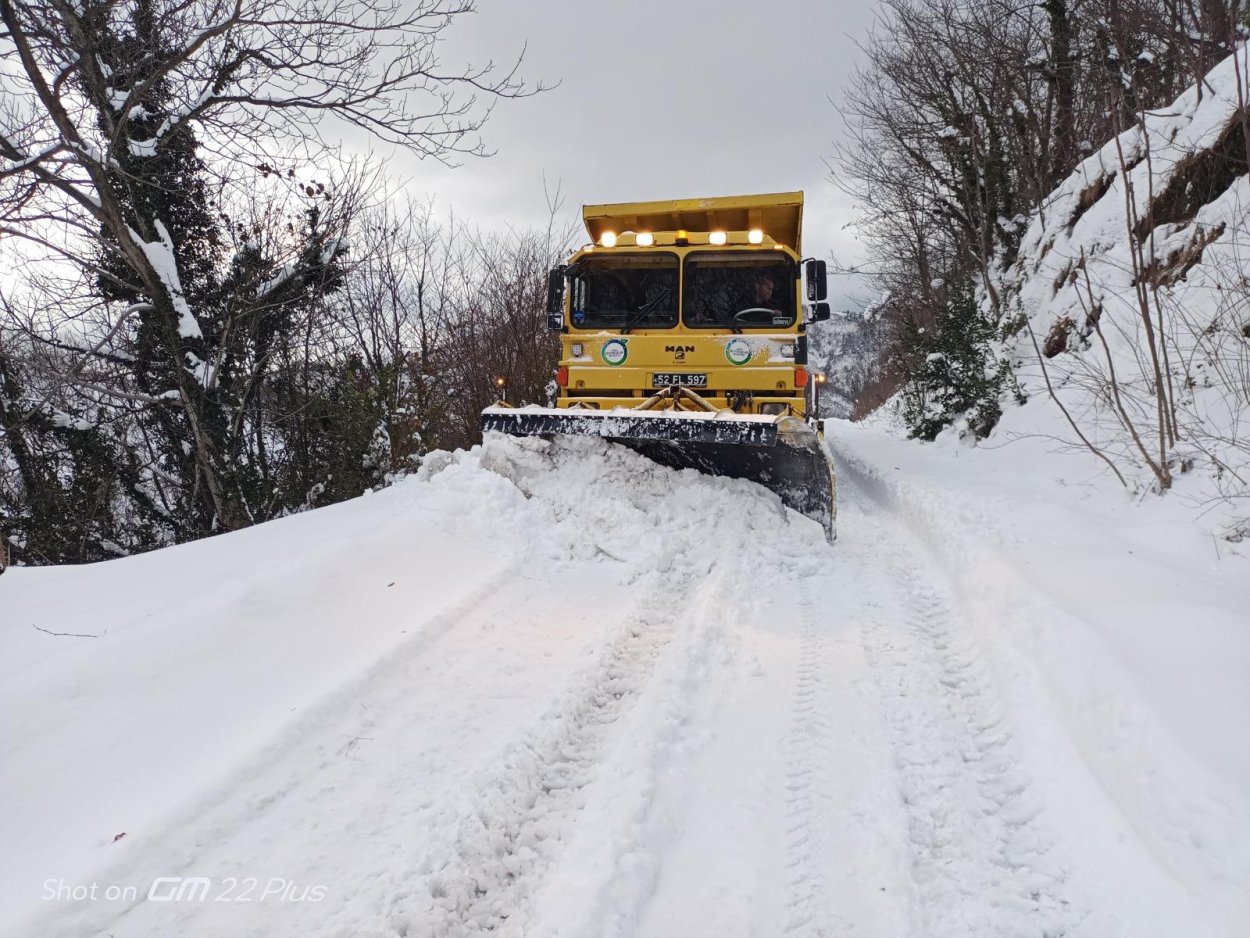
x,y
614,352
738,351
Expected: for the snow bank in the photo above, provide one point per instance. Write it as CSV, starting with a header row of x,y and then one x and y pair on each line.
x,y
200,655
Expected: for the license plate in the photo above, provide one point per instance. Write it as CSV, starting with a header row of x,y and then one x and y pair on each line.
x,y
665,379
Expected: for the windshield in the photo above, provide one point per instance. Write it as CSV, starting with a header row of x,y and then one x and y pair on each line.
x,y
625,291
739,290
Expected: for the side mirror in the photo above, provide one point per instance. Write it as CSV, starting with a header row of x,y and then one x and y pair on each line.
x,y
818,312
555,299
817,280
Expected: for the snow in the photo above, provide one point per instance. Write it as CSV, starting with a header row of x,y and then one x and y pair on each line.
x,y
143,149
333,248
605,416
554,689
13,166
68,421
1076,264
199,368
178,115
160,255
279,277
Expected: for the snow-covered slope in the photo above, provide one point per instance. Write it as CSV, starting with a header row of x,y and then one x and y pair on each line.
x,y
554,689
1147,244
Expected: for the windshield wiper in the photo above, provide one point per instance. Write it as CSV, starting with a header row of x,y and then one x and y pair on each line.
x,y
643,313
634,320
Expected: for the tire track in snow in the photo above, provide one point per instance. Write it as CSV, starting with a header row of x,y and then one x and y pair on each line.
x,y
479,876
981,857
807,770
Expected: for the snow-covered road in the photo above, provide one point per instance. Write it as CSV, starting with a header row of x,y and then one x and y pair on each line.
x,y
610,700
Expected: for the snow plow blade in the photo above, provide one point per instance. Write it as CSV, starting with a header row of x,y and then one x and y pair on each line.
x,y
783,454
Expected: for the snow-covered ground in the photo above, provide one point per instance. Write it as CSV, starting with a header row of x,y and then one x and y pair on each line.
x,y
558,690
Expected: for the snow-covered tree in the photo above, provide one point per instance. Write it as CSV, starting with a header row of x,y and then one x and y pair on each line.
x,y
158,161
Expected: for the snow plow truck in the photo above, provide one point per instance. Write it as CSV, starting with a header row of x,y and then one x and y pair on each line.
x,y
683,335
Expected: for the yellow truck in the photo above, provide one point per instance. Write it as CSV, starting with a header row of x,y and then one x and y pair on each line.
x,y
684,336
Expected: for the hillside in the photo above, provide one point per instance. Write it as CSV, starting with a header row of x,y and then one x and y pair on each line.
x,y
1134,276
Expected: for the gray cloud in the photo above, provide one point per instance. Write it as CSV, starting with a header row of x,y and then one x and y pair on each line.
x,y
657,100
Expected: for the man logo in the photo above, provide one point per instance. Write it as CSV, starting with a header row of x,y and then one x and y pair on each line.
x,y
180,889
679,351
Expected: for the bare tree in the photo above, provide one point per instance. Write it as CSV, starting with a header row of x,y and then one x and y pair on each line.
x,y
134,134
966,114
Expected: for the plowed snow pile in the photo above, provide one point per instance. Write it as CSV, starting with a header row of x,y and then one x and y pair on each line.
x,y
213,661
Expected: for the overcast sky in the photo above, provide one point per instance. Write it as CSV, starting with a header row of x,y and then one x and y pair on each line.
x,y
658,99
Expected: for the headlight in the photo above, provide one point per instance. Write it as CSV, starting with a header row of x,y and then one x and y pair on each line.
x,y
577,350
755,236
608,239
787,351
645,239
717,237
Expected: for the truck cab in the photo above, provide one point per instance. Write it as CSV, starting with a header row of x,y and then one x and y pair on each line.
x,y
710,295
